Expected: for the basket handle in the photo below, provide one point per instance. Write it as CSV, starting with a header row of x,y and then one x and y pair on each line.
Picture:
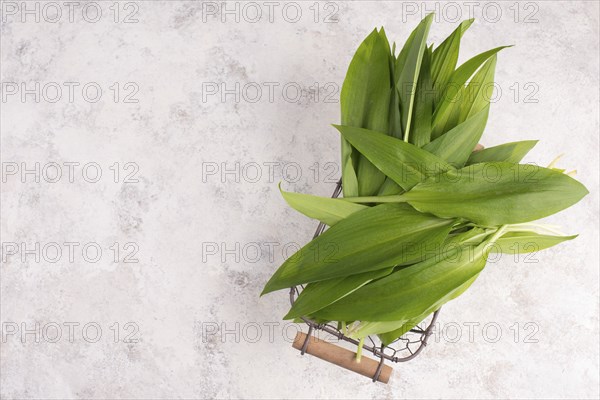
x,y
343,357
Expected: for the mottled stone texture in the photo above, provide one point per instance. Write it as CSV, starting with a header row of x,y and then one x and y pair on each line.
x,y
196,200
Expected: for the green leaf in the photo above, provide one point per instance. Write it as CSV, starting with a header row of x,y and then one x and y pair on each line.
x,y
389,187
410,292
349,178
526,242
474,236
423,105
403,162
388,337
456,82
457,145
395,130
390,53
368,240
445,56
409,60
509,152
365,102
394,125
361,82
317,295
496,193
479,91
370,178
412,56
452,118
395,122
368,328
395,119
325,209
403,55
472,99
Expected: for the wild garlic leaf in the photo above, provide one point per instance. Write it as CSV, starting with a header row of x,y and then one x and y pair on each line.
x,y
377,117
368,328
357,89
452,118
471,99
457,145
423,104
395,122
403,162
479,91
403,54
408,61
367,240
526,242
388,337
390,331
325,209
399,329
445,56
395,119
354,102
410,292
457,80
389,187
408,75
509,152
365,103
349,178
390,53
318,295
496,193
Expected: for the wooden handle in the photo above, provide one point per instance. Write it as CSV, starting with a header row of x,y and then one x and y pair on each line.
x,y
342,357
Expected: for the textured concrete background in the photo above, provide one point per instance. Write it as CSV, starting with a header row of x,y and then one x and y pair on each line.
x,y
204,115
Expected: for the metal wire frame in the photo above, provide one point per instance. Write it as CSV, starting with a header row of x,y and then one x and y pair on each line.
x,y
390,352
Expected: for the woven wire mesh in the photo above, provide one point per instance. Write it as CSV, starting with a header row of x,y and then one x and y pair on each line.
x,y
403,349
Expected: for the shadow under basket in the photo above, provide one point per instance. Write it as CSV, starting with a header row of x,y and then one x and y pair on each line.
x,y
403,349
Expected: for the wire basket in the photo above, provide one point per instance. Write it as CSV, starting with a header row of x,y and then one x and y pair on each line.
x,y
403,349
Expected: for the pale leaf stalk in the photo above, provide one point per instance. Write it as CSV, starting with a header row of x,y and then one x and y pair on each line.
x,y
553,162
542,229
361,342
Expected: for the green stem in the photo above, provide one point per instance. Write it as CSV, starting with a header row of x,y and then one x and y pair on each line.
x,y
498,233
475,239
361,342
484,248
542,229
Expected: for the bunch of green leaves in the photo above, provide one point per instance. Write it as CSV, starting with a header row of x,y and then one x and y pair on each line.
x,y
421,211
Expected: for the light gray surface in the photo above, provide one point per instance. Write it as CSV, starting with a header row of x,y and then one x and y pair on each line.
x,y
177,215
